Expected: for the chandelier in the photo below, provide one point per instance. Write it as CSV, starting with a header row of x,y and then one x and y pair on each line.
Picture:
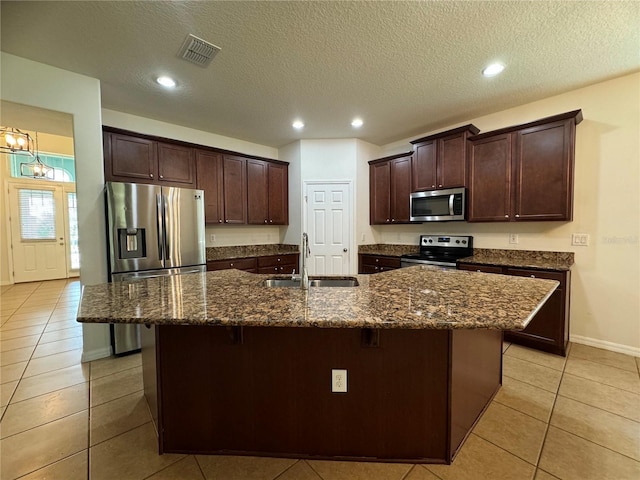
x,y
35,168
16,141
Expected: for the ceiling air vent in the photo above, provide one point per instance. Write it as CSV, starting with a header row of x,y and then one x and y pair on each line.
x,y
198,51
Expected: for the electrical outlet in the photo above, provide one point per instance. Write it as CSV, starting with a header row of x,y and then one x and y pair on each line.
x,y
338,381
580,239
212,237
513,238
363,237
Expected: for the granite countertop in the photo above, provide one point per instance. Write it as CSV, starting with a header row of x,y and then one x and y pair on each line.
x,y
521,259
419,297
389,250
227,253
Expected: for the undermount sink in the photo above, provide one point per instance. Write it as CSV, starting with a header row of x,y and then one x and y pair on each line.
x,y
282,282
313,282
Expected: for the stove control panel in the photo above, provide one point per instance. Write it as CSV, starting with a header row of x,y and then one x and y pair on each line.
x,y
455,241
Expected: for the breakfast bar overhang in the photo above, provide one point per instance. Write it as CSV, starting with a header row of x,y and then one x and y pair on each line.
x,y
232,366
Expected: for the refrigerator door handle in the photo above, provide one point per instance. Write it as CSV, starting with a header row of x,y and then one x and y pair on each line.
x,y
165,217
160,221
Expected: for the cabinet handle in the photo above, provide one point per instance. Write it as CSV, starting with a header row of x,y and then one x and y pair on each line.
x,y
533,276
517,216
506,216
226,221
375,268
439,186
377,260
479,271
161,177
387,219
270,221
278,259
231,264
433,186
393,219
151,175
219,220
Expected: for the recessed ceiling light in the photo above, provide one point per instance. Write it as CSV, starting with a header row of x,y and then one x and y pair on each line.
x,y
298,125
166,82
356,123
493,70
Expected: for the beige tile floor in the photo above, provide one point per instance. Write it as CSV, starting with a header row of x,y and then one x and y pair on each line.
x,y
573,418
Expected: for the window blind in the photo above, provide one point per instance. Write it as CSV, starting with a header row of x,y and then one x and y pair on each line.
x,y
37,215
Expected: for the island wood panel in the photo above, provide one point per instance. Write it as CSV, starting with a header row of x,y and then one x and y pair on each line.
x,y
271,393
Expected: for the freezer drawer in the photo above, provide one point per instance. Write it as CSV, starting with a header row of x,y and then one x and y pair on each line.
x,y
125,338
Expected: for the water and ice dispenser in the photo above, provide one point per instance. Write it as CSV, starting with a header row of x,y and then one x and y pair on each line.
x,y
132,243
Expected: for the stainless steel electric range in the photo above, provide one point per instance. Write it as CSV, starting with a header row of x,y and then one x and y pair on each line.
x,y
440,250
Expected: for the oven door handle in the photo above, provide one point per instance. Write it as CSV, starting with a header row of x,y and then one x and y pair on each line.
x,y
451,204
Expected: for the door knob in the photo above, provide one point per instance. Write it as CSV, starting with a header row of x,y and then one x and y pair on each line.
x,y
344,250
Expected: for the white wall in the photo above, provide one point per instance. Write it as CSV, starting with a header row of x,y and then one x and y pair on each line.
x,y
605,305
39,85
292,153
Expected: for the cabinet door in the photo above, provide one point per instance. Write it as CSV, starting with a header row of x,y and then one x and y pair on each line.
x,y
257,192
490,179
278,194
234,181
176,165
452,161
132,159
209,179
380,193
400,189
543,163
424,166
549,328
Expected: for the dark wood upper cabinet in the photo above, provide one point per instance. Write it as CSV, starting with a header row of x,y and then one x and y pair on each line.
x,y
389,189
234,189
258,188
278,193
209,179
439,161
129,159
140,160
544,172
524,173
176,164
379,193
489,179
268,199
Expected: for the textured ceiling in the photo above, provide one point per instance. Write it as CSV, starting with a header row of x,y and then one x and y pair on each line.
x,y
404,67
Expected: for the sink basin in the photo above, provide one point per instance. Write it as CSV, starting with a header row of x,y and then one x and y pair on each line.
x,y
281,282
314,282
333,282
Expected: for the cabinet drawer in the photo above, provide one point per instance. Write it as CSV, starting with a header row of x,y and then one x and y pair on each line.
x,y
278,260
480,268
237,263
375,260
523,272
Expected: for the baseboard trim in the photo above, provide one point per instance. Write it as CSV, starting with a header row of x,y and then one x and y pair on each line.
x,y
614,347
96,354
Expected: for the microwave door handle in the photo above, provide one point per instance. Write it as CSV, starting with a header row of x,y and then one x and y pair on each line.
x,y
451,204
159,222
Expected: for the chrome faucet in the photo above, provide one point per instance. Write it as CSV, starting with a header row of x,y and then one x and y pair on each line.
x,y
304,284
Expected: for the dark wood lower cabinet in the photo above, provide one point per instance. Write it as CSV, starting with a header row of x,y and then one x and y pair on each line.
x,y
376,263
549,329
412,396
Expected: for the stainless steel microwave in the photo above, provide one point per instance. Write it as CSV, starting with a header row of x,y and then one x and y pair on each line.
x,y
438,205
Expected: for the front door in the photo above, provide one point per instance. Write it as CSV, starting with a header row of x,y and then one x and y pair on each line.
x,y
37,232
328,215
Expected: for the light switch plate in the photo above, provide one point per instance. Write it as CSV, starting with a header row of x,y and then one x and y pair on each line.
x,y
580,239
513,238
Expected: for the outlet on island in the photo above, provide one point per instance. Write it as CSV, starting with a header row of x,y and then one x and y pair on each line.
x,y
338,381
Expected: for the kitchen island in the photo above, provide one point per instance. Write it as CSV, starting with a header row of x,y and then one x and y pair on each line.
x,y
233,366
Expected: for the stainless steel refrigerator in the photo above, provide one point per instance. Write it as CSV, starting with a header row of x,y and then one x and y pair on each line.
x,y
153,231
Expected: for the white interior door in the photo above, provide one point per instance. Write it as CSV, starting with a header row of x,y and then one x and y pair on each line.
x,y
328,215
38,244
